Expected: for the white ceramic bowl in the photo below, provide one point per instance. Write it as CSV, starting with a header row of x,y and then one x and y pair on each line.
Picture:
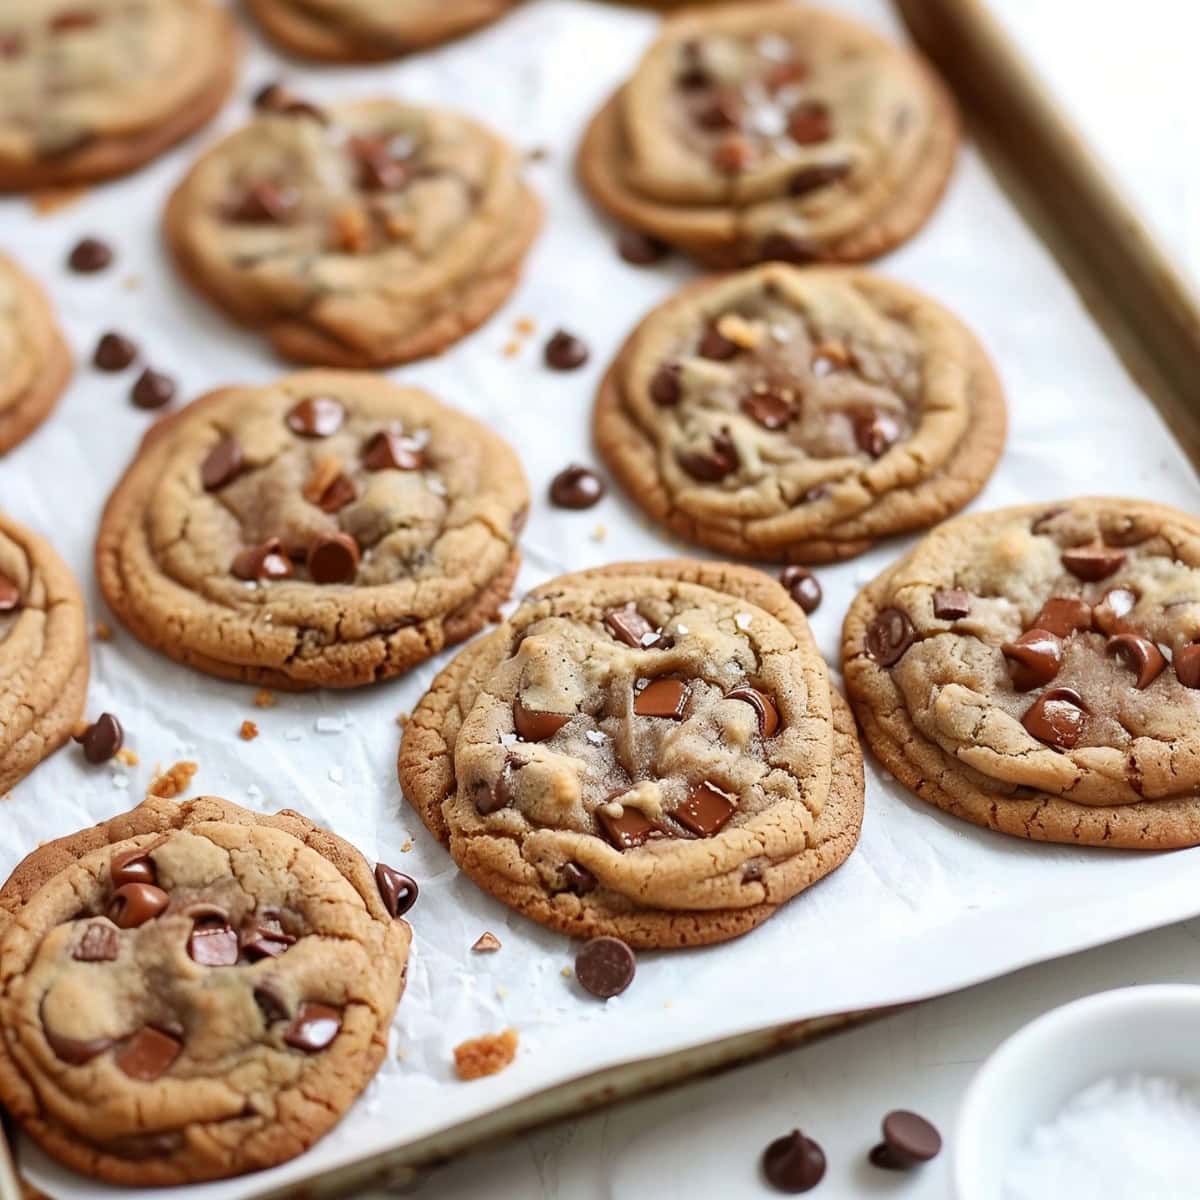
x,y
1027,1080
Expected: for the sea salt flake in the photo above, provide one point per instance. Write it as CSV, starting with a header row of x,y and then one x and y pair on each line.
x,y
596,737
508,739
743,621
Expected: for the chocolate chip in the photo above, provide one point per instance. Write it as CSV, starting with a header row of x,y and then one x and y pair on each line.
x,y
114,352
578,879
788,248
1033,659
223,464
809,123
148,1054
397,890
564,351
665,387
811,179
605,966
712,465
783,73
629,626
265,203
278,98
1057,718
794,1163
802,586
333,558
389,450
640,248
733,154
577,487
268,560
706,810
213,942
132,866
908,1140
1063,615
875,431
316,416
628,830
89,256
763,705
102,739
889,636
1186,662
264,937
338,494
1109,615
270,1002
772,408
723,110
76,18
152,389
76,1051
1092,563
98,944
1140,655
379,168
715,345
662,698
951,604
536,726
134,904
315,1026
10,594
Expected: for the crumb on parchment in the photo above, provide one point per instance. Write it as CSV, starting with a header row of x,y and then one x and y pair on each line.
x,y
103,631
264,698
486,943
248,732
486,1055
174,780
126,756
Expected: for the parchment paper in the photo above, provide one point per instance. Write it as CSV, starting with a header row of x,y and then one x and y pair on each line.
x,y
925,905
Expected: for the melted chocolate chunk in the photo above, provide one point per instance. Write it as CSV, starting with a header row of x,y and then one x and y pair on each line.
x,y
715,345
605,966
874,431
1092,563
213,941
223,464
397,890
10,594
132,866
268,560
640,249
1033,659
908,1141
1057,718
98,944
492,796
706,810
577,487
889,636
1109,615
812,179
763,705
148,1054
1187,665
951,604
627,831
662,698
770,407
715,463
76,1051
265,203
578,879
535,726
788,248
1140,655
809,123
1063,615
629,626
270,1002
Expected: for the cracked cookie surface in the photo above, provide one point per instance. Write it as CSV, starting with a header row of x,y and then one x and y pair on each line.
x,y
94,88
773,131
35,363
799,414
193,991
43,652
329,530
365,30
1036,670
649,750
362,234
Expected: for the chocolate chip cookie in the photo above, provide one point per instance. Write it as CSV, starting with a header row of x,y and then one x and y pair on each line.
x,y
193,991
327,530
364,234
35,363
366,30
800,414
773,131
1036,670
43,652
648,750
96,88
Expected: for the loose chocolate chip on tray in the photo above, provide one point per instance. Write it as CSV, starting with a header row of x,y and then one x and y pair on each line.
x,y
114,352
951,604
908,1141
397,890
222,465
802,586
1033,659
577,487
794,1163
564,351
10,594
889,637
486,943
315,1026
639,248
333,558
90,255
316,416
605,966
102,739
152,389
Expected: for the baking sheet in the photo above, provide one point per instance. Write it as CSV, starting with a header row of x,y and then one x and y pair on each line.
x,y
925,905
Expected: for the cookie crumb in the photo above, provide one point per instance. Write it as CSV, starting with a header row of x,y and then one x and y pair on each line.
x,y
264,699
407,846
131,283
173,781
248,732
402,719
487,1055
80,728
126,756
524,326
102,631
53,199
512,349
599,533
486,943
567,972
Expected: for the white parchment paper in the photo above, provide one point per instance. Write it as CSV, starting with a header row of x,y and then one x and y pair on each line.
x,y
925,905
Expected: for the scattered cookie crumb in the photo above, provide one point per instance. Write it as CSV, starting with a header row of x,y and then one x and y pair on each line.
x,y
264,698
567,972
486,943
131,283
126,756
599,533
402,719
407,846
248,731
537,154
487,1055
49,200
174,780
524,326
511,349
102,631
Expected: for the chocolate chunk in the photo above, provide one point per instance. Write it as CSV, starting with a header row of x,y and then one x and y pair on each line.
x,y
809,123
578,879
380,167
811,179
1186,662
875,431
1057,718
270,1002
134,904
577,487
908,1141
315,1026
278,98
1140,655
627,831
640,248
802,586
662,698
763,705
629,626
722,110
264,937
1109,615
1091,563
74,18
819,492
333,558
665,387
706,810
114,352
535,726
265,203
389,450
1033,659
712,465
492,795
152,389
148,1054
771,407
98,944
783,73
76,1051
715,345
794,1163
132,866
397,890
268,560
223,464
889,636
316,416
788,248
605,966
102,739
10,594
1063,615
564,351
90,255
213,942
338,494
951,604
